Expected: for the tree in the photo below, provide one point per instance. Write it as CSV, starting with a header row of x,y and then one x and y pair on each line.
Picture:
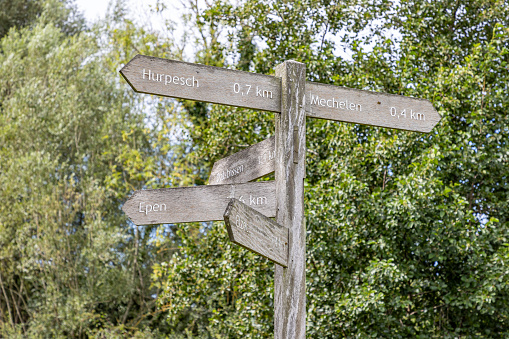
x,y
17,13
407,233
71,143
23,13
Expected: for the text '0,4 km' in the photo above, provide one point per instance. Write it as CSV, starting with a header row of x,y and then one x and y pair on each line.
x,y
262,92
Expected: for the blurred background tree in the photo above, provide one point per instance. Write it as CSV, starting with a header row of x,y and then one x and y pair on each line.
x,y
74,142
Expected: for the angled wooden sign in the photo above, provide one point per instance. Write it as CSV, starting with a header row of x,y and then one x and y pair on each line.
x,y
370,108
218,85
257,233
197,203
249,164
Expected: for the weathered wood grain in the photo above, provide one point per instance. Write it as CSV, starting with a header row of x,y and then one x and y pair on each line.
x,y
370,108
257,233
251,90
249,164
197,203
184,80
290,283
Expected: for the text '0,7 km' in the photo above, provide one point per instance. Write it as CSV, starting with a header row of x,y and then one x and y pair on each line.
x,y
184,80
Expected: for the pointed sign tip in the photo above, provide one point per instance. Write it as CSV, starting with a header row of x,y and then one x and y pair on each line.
x,y
125,70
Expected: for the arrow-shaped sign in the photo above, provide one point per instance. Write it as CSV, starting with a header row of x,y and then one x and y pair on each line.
x,y
254,231
249,164
218,85
197,203
370,108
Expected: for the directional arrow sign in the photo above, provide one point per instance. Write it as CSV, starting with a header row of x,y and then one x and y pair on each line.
x,y
263,92
249,164
254,231
197,203
370,108
184,80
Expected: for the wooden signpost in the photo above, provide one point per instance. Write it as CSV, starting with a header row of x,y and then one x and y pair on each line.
x,y
249,164
247,219
255,232
290,282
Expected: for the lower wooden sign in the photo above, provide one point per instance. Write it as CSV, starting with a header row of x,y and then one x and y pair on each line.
x,y
249,164
197,203
256,232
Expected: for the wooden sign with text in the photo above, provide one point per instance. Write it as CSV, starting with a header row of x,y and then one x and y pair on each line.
x,y
370,108
197,203
218,85
257,233
249,164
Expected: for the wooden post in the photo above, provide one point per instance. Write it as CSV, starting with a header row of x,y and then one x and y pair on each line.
x,y
290,282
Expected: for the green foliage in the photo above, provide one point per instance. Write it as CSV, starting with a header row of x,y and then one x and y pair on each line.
x,y
407,233
24,13
70,142
17,13
213,289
